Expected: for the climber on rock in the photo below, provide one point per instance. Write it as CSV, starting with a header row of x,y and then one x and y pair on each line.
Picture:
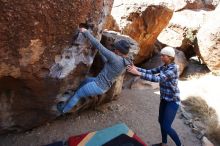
x,y
115,64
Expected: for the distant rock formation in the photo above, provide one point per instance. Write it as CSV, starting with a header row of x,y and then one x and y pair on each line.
x,y
142,21
209,41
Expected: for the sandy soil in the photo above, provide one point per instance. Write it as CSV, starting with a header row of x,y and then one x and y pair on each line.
x,y
136,108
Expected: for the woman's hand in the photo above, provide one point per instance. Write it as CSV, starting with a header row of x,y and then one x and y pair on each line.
x,y
133,69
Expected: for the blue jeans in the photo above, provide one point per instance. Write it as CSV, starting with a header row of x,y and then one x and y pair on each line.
x,y
87,88
167,113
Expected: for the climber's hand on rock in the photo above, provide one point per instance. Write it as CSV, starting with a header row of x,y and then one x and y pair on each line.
x,y
82,29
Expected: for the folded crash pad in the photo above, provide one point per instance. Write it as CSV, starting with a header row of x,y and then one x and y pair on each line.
x,y
99,138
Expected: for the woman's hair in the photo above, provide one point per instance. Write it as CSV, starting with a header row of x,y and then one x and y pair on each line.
x,y
171,59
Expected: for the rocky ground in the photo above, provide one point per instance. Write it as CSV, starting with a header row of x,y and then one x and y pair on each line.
x,y
137,108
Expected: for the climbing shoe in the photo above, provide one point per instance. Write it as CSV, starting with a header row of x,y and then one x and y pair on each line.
x,y
60,107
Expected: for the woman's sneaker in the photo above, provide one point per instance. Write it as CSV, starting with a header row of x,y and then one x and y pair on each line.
x,y
158,144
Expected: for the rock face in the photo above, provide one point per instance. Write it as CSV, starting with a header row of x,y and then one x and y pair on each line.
x,y
182,29
206,142
40,59
111,24
195,4
188,18
209,41
194,67
142,21
109,37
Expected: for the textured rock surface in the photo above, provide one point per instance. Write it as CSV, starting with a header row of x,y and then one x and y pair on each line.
x,y
182,29
109,37
195,4
209,41
194,67
206,142
187,19
142,21
111,24
36,40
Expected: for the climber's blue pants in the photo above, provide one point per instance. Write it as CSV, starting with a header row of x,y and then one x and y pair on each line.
x,y
87,88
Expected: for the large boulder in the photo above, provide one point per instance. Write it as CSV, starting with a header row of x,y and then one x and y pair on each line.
x,y
111,24
194,67
39,57
109,37
142,21
195,4
209,41
187,19
182,29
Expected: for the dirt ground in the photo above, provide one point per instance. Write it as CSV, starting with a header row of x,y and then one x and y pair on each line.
x,y
136,108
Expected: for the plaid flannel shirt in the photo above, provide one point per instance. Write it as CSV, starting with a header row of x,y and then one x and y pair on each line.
x,y
167,76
